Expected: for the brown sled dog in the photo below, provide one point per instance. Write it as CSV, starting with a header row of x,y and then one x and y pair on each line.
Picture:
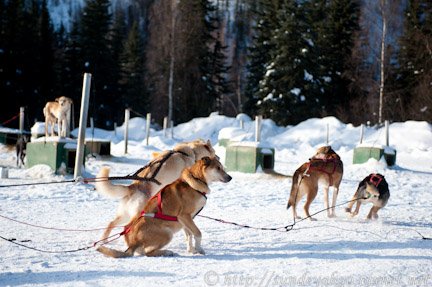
x,y
160,171
172,209
325,168
373,188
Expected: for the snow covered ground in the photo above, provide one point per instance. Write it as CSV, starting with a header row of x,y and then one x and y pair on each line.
x,y
339,251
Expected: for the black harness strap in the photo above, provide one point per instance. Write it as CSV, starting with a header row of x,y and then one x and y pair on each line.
x,y
160,162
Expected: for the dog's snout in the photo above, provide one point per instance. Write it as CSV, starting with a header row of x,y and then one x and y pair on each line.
x,y
227,178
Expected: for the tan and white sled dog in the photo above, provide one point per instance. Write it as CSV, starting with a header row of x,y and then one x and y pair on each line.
x,y
58,112
325,168
171,210
160,171
373,188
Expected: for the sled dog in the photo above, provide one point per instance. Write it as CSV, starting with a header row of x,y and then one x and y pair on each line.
x,y
21,149
58,112
325,168
160,171
171,209
374,189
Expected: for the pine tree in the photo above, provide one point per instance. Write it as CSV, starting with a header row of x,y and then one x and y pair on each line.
x,y
199,64
259,52
26,55
287,91
46,52
332,27
96,55
132,68
117,39
415,62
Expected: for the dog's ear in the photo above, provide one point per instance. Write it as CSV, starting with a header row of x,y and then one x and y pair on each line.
x,y
206,160
209,143
57,99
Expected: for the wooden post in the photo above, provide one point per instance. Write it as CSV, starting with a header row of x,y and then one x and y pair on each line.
x,y
92,125
361,133
258,120
242,124
172,129
328,134
126,131
165,126
386,123
21,120
148,120
82,125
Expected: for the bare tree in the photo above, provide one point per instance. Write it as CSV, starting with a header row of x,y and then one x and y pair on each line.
x,y
375,48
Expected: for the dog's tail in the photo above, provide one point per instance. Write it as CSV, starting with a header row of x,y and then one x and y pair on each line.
x,y
106,188
296,180
114,253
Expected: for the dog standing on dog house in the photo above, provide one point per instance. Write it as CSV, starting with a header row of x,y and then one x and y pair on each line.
x,y
58,112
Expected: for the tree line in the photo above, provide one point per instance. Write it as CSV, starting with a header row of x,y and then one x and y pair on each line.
x,y
287,60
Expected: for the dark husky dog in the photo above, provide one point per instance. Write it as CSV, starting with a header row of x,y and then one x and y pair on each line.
x,y
21,147
374,189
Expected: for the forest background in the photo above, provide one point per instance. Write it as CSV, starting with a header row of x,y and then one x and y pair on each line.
x,y
287,60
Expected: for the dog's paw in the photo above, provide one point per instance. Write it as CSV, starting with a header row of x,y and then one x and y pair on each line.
x,y
168,253
198,250
331,215
313,219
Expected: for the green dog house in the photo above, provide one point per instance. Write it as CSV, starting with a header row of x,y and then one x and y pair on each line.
x,y
59,154
362,153
249,157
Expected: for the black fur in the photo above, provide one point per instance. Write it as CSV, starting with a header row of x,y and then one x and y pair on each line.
x,y
382,187
21,147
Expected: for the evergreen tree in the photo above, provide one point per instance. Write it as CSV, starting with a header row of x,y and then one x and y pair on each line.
x,y
117,39
46,75
287,91
332,27
26,47
71,67
96,55
259,52
199,62
135,94
415,62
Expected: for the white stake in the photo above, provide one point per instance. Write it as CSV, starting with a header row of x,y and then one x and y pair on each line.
x,y
21,120
148,120
387,132
82,125
258,128
361,133
126,131
165,126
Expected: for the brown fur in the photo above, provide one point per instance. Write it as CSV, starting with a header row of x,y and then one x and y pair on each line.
x,y
58,112
309,175
135,196
149,235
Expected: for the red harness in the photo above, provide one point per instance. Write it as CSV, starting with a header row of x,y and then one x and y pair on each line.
x,y
376,179
159,214
326,161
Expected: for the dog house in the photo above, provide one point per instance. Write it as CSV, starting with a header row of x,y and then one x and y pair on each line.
x,y
99,147
249,157
362,153
8,136
57,154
